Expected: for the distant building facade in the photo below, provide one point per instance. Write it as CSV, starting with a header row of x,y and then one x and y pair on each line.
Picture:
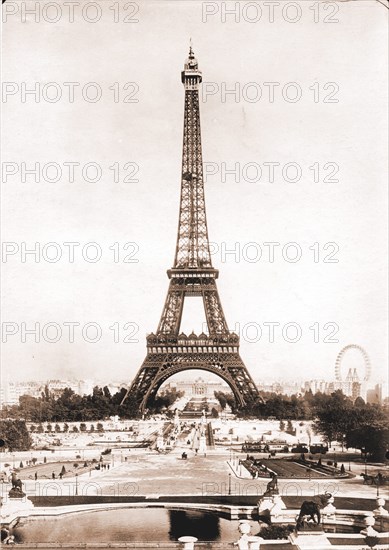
x,y
198,387
374,395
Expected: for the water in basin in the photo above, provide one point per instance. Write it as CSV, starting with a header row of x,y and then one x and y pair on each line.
x,y
137,524
127,525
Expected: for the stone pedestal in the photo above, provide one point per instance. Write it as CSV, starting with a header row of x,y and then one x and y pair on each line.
x,y
244,529
380,510
369,531
278,506
254,542
272,506
188,542
14,508
307,540
329,510
265,504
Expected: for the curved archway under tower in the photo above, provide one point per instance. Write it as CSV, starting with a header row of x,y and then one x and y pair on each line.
x,y
192,374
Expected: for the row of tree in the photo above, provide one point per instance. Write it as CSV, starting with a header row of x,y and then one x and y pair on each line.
x,y
66,428
336,417
294,407
71,407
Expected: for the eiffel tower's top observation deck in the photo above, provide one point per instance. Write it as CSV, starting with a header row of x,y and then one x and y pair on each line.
x,y
191,77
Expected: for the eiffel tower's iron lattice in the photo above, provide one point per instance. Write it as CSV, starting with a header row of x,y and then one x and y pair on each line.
x,y
169,351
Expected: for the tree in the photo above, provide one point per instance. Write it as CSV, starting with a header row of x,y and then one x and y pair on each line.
x,y
75,429
165,399
226,399
282,426
100,427
289,428
92,428
371,434
334,417
82,427
66,427
214,413
49,428
15,435
32,428
39,429
221,398
360,425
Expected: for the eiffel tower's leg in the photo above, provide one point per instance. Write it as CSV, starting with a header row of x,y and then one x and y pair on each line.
x,y
214,314
172,312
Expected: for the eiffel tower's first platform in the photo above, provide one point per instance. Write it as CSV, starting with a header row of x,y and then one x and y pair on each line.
x,y
169,351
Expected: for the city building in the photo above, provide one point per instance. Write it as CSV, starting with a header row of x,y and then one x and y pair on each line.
x,y
198,387
282,387
374,395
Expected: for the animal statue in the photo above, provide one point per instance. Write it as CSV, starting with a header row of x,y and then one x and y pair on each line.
x,y
311,509
272,486
17,484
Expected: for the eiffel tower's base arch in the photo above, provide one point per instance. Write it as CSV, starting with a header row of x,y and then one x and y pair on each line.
x,y
158,368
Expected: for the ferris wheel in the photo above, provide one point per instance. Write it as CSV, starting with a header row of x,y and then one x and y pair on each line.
x,y
366,360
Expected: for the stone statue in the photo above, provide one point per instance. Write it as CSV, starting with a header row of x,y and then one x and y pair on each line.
x,y
16,490
311,509
272,486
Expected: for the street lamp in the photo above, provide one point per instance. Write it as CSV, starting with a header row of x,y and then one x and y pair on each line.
x,y
229,484
76,484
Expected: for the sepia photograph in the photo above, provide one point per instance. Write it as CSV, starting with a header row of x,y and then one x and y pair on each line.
x,y
194,260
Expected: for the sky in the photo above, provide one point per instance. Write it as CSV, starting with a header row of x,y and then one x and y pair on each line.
x,y
325,128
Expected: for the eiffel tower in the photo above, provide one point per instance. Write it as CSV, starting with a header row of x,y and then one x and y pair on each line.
x,y
169,351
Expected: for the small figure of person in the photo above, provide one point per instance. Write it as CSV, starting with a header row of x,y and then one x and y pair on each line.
x,y
53,475
60,475
36,476
108,466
